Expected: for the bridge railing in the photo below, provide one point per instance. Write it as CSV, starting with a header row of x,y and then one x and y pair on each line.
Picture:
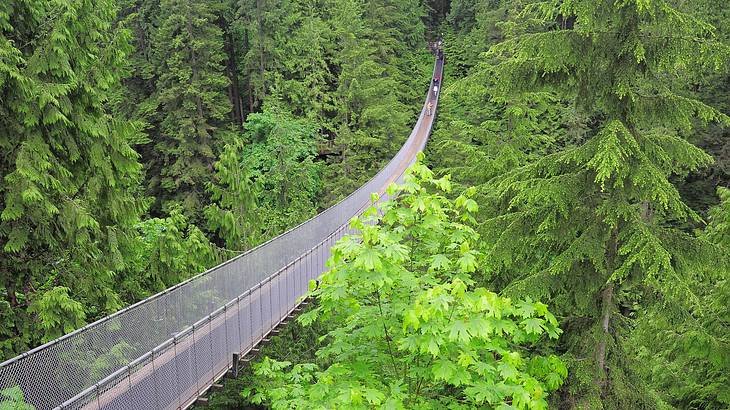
x,y
149,356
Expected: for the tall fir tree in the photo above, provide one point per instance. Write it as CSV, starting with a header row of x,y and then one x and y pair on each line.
x,y
303,79
191,96
377,88
591,225
266,28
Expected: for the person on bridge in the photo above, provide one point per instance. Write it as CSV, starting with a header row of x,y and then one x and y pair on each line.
x,y
429,107
435,90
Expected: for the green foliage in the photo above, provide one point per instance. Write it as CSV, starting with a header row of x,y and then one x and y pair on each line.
x,y
190,94
588,222
471,27
68,172
281,152
699,188
13,399
477,126
268,183
168,251
718,231
688,350
376,89
346,66
409,329
58,313
233,213
355,71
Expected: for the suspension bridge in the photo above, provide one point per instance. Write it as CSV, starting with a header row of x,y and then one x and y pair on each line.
x,y
166,351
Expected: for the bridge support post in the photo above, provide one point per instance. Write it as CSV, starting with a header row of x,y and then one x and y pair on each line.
x,y
236,364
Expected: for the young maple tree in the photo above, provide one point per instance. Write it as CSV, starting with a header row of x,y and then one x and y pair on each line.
x,y
408,329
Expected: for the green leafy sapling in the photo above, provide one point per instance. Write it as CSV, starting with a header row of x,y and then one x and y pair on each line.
x,y
13,399
408,327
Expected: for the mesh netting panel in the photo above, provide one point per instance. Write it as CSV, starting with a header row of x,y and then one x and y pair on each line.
x,y
150,356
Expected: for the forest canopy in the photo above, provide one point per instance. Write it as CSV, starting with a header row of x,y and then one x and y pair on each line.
x,y
563,243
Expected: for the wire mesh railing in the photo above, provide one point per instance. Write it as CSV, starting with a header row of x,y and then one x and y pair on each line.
x,y
149,356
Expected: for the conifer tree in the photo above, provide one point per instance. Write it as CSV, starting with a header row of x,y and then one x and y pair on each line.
x,y
234,193
303,77
371,119
67,203
589,224
397,31
699,189
266,28
686,352
191,96
167,251
471,27
478,126
140,17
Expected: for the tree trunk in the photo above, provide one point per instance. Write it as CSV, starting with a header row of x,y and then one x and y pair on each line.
x,y
234,94
646,212
607,308
260,31
11,296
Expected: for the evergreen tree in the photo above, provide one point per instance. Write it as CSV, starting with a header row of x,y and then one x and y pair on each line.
x,y
233,33
67,198
397,31
699,188
233,212
372,119
167,251
134,101
587,225
470,29
478,126
191,96
266,27
687,351
303,77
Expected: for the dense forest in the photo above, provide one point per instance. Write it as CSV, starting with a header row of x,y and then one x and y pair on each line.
x,y
563,242
144,141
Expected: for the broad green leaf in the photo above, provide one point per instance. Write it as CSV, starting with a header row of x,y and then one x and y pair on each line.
x,y
369,259
533,325
443,370
459,332
440,262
